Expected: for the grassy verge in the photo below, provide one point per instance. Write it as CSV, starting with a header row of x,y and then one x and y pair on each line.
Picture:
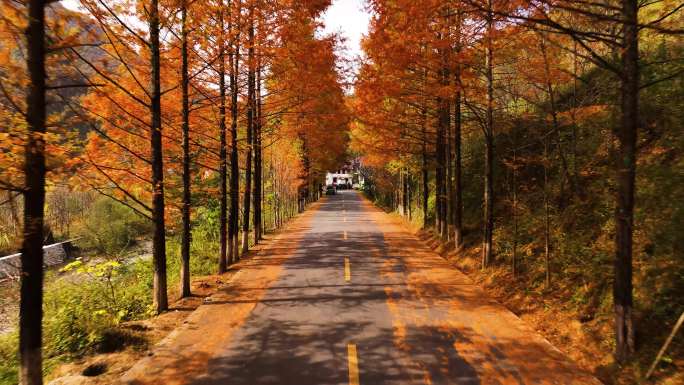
x,y
87,301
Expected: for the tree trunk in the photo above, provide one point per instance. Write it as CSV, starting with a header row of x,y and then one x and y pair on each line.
x,y
488,199
234,156
426,187
449,181
547,225
31,305
626,134
441,164
458,183
159,241
186,236
514,258
258,183
404,192
250,139
223,151
409,194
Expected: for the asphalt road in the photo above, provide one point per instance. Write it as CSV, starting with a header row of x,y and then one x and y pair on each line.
x,y
357,300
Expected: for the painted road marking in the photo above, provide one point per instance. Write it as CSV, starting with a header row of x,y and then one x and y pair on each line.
x,y
345,234
345,219
347,270
353,365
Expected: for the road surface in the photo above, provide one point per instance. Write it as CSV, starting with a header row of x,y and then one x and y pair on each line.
x,y
347,296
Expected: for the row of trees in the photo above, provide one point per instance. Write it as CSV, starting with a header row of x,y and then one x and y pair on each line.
x,y
520,85
162,106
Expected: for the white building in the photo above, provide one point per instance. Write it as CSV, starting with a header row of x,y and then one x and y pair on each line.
x,y
348,176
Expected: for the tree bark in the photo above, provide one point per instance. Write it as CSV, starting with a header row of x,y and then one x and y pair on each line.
x,y
514,257
258,182
404,192
458,183
409,194
187,235
425,175
626,134
547,221
449,181
234,156
488,199
31,304
159,241
250,139
441,147
223,151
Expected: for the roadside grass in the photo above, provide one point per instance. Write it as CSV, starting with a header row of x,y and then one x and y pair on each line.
x,y
88,302
92,305
86,305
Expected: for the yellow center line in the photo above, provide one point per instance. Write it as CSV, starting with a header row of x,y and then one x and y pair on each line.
x,y
347,270
345,234
353,365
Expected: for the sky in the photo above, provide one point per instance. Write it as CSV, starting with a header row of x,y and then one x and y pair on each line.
x,y
346,17
349,18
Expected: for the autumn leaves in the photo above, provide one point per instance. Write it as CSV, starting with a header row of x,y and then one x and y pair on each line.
x,y
498,86
163,107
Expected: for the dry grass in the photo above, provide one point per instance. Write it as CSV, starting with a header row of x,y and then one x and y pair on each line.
x,y
587,340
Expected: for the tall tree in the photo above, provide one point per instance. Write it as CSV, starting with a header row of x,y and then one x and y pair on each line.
x,y
234,58
223,150
626,133
488,200
458,176
251,65
443,124
258,166
124,115
31,305
186,235
161,302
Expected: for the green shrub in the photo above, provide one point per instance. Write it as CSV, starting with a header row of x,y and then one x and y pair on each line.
x,y
9,360
82,308
204,251
110,227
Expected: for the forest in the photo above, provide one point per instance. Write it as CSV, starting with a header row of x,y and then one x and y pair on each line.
x,y
535,144
539,144
181,127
